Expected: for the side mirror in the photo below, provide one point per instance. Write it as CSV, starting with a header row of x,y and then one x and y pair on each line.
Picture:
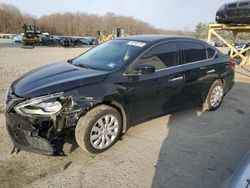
x,y
145,69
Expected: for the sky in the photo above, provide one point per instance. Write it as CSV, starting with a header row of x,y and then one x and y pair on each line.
x,y
165,14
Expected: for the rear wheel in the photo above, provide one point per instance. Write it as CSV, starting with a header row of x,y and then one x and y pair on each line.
x,y
215,96
98,129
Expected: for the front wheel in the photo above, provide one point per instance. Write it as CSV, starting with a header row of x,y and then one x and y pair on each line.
x,y
215,96
98,129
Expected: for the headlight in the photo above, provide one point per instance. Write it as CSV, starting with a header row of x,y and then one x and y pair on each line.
x,y
45,106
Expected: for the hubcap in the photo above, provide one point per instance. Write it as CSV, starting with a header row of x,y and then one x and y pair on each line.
x,y
216,96
104,132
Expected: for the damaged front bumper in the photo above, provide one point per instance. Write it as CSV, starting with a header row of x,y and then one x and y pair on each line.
x,y
40,134
26,136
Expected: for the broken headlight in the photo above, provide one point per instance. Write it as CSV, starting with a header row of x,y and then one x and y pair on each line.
x,y
44,106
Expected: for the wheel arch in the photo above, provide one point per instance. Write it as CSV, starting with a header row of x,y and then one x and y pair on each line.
x,y
224,82
120,109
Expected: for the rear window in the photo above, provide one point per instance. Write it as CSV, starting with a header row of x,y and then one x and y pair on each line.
x,y
243,5
210,53
161,56
193,52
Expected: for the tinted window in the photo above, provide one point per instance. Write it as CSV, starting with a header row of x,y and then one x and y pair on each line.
x,y
243,5
193,52
233,5
210,53
161,56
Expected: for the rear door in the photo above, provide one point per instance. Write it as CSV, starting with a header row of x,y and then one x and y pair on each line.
x,y
200,72
171,79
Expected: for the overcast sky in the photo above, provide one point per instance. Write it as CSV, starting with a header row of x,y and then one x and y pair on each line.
x,y
166,14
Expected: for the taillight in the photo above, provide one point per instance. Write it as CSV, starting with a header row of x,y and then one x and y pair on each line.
x,y
232,63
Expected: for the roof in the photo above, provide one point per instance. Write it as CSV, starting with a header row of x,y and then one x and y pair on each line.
x,y
153,38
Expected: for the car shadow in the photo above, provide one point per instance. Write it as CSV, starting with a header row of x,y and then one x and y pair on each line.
x,y
71,141
202,149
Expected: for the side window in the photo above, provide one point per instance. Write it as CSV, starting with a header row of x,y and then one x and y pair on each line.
x,y
193,52
161,56
210,53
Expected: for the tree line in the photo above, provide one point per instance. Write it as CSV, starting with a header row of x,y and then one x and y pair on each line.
x,y
201,32
76,24
84,24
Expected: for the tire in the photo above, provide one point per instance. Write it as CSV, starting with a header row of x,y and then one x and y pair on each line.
x,y
96,126
215,96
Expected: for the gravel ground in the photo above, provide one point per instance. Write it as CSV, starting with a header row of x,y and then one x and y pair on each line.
x,y
184,149
16,61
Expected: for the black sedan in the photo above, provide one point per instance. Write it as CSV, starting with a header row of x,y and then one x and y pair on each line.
x,y
237,12
105,90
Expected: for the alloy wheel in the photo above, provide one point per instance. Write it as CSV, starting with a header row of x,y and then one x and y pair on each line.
x,y
216,96
104,132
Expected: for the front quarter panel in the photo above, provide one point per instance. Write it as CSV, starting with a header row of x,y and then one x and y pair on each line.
x,y
111,91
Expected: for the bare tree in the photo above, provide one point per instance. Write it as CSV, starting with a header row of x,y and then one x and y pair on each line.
x,y
76,24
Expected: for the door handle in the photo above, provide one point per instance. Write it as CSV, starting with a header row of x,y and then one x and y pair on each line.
x,y
210,71
176,79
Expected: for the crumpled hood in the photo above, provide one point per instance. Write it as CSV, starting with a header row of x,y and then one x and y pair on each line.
x,y
54,78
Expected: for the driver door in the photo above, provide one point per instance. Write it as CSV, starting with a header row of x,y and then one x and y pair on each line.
x,y
153,93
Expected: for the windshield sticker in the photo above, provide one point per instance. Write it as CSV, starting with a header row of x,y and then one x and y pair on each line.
x,y
111,65
135,43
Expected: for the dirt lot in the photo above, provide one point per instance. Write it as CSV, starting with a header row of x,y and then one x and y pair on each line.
x,y
184,149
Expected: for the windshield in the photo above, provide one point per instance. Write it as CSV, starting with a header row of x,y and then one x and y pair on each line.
x,y
109,55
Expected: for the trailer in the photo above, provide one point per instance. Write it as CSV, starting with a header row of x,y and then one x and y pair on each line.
x,y
214,30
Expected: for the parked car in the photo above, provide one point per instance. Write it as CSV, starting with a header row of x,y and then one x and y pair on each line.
x,y
6,36
237,12
56,40
241,176
88,41
17,39
76,41
239,47
105,90
217,44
